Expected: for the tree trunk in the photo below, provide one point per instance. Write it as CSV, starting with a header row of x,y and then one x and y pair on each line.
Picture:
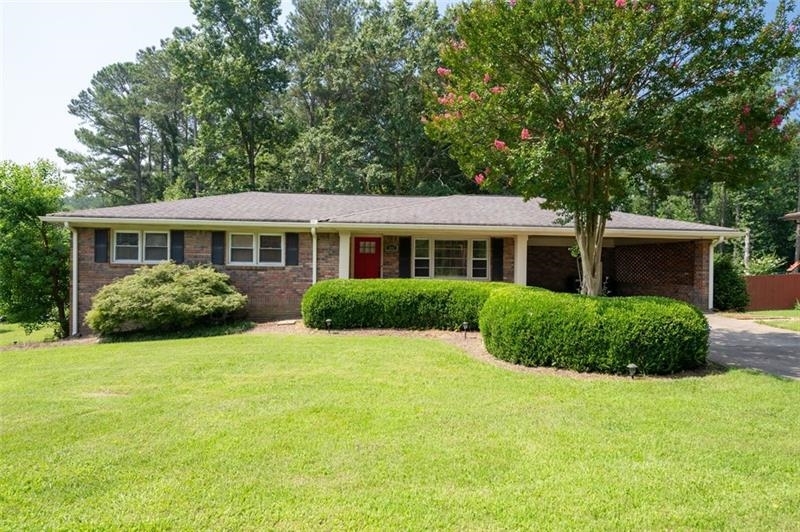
x,y
589,230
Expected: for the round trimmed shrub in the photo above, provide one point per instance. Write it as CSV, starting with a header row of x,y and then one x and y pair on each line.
x,y
537,328
730,288
395,303
165,297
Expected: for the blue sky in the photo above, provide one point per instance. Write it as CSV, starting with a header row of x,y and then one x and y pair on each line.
x,y
49,51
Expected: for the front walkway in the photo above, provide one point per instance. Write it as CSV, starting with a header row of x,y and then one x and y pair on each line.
x,y
747,344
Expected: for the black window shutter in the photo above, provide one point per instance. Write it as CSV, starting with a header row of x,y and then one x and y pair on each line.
x,y
404,252
101,237
292,249
176,246
497,259
218,247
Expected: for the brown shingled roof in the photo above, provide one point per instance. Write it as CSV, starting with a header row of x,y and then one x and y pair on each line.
x,y
462,210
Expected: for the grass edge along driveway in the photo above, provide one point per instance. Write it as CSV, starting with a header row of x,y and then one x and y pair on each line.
x,y
345,432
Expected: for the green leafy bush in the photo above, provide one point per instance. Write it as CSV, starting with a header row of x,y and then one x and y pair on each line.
x,y
395,303
730,289
165,297
765,264
536,328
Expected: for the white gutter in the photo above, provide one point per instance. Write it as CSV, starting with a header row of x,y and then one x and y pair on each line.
x,y
313,251
396,228
79,221
73,314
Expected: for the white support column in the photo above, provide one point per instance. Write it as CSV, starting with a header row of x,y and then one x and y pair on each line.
x,y
521,260
711,273
344,255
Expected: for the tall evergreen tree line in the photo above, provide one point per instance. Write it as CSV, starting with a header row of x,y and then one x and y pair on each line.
x,y
329,102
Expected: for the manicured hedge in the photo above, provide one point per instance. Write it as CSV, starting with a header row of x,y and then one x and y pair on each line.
x,y
395,303
583,333
165,297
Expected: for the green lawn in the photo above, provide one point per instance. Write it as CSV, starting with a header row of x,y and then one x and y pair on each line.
x,y
782,319
329,432
12,333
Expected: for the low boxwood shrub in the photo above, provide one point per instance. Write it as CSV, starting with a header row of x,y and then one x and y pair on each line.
x,y
537,328
730,288
395,303
166,297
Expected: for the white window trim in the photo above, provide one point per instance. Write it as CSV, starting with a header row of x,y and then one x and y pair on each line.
x,y
255,246
414,258
283,249
472,258
432,254
143,247
114,258
229,249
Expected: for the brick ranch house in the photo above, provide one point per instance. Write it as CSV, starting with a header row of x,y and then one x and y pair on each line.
x,y
275,246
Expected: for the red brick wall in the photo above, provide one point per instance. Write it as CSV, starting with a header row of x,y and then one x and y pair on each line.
x,y
554,268
273,292
390,268
678,270
327,256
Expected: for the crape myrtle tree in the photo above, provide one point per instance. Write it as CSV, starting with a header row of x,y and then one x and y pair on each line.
x,y
34,255
570,100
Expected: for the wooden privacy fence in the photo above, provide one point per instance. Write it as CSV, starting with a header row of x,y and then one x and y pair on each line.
x,y
773,292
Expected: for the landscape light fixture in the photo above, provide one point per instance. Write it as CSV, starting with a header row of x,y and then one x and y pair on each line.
x,y
328,325
465,327
632,369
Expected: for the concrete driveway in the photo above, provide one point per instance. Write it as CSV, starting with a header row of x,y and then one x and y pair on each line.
x,y
747,344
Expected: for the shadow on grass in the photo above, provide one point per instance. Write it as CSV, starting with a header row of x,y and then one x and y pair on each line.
x,y
200,331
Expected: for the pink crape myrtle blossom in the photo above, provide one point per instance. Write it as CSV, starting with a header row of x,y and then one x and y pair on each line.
x,y
500,145
777,121
525,134
444,72
621,3
497,89
487,78
479,179
746,110
474,96
447,99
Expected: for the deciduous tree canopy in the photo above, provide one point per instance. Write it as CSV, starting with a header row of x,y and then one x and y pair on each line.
x,y
34,266
571,100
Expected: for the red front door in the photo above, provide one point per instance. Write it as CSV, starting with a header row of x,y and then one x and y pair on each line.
x,y
367,257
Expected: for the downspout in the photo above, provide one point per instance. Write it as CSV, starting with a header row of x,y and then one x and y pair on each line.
x,y
313,252
714,243
74,288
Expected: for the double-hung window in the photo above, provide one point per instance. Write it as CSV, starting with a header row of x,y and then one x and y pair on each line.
x,y
455,259
141,246
241,250
156,246
126,246
256,249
